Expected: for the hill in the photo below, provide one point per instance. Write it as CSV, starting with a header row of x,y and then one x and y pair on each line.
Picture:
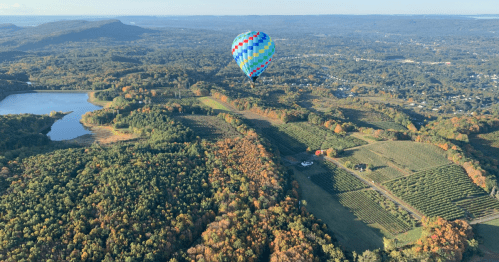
x,y
8,28
31,38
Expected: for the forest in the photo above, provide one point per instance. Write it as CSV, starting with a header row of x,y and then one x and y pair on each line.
x,y
175,194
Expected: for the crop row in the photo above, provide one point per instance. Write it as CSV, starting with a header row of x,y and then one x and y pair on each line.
x,y
367,210
306,135
337,180
287,145
434,191
480,206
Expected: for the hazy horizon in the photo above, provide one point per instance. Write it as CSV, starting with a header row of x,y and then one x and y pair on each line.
x,y
256,7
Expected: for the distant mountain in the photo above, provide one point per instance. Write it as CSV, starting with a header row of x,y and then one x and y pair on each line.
x,y
29,38
8,28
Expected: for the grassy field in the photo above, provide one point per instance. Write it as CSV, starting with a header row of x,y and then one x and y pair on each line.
x,y
489,231
487,143
434,192
212,103
393,159
208,127
410,236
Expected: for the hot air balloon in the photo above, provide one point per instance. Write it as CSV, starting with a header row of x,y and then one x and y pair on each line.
x,y
253,52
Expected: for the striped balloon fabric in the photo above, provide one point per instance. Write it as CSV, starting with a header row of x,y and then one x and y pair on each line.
x,y
253,52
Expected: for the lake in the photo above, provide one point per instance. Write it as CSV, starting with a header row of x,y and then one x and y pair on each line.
x,y
68,127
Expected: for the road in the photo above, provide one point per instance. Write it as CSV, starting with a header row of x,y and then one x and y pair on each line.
x,y
381,190
260,121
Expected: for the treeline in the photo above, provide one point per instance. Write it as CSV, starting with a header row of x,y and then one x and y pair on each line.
x,y
286,115
10,84
24,130
452,136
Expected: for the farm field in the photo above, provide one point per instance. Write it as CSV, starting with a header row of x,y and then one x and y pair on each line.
x,y
208,127
371,212
213,103
387,125
489,231
350,231
367,205
393,159
434,192
337,180
475,205
371,119
293,138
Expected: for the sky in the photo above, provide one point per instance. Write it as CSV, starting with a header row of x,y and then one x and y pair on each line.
x,y
245,7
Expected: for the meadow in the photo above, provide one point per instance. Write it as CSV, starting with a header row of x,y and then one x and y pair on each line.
x,y
489,231
213,103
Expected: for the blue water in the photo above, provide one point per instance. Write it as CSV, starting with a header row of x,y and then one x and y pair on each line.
x,y
66,128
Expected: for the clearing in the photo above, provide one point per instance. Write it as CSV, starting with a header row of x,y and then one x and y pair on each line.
x,y
213,103
102,135
208,127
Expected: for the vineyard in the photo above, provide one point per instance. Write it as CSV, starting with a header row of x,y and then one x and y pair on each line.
x,y
391,207
297,137
337,180
371,212
387,125
410,155
394,159
435,191
286,144
368,205
479,206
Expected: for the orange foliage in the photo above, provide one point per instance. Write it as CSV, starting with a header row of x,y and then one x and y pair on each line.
x,y
338,129
444,146
287,247
476,175
412,127
444,239
126,89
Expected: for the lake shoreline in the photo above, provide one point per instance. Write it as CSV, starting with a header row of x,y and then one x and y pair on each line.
x,y
45,102
91,99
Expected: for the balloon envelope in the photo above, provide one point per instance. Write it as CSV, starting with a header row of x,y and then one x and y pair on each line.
x,y
253,52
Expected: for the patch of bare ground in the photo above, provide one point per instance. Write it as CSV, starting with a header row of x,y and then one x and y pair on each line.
x,y
103,135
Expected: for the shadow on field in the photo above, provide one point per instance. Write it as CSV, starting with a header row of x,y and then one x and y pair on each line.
x,y
348,152
490,236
